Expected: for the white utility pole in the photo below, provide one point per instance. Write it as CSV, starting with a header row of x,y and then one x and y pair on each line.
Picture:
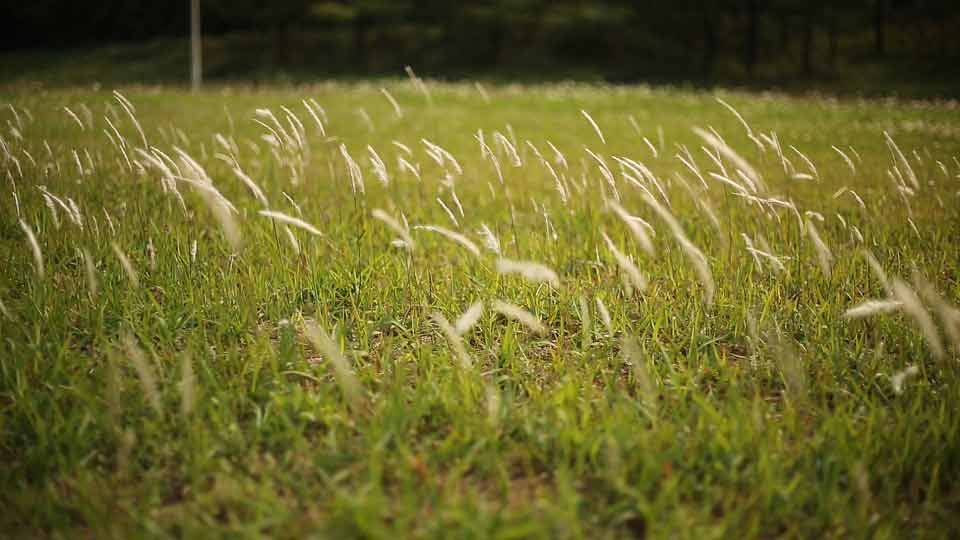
x,y
196,51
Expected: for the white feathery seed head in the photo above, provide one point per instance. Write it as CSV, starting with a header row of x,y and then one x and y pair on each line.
x,y
696,257
632,356
294,243
898,378
456,342
490,240
188,392
402,231
948,313
379,167
741,164
872,307
593,123
35,248
633,278
469,318
91,272
637,226
586,321
531,271
126,264
251,185
824,256
914,307
148,379
231,230
342,371
393,102
517,313
878,271
604,315
290,220
452,235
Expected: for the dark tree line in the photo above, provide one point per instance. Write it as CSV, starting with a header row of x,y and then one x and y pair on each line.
x,y
699,39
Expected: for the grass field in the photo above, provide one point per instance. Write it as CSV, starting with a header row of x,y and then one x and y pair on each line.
x,y
555,311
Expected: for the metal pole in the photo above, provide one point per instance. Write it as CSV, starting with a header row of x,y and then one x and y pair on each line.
x,y
196,52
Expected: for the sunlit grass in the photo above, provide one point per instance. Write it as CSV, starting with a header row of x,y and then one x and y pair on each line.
x,y
386,310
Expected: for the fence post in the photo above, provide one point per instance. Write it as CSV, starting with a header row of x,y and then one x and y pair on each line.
x,y
196,51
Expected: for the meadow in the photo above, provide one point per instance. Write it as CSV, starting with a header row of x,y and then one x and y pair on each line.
x,y
414,309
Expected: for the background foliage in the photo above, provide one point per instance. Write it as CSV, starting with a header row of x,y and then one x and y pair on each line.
x,y
693,40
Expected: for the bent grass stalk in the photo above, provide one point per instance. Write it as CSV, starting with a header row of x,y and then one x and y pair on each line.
x,y
342,371
34,248
290,220
531,271
452,235
517,313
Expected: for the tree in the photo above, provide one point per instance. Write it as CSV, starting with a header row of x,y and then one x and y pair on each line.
x,y
879,27
278,16
810,12
708,19
751,45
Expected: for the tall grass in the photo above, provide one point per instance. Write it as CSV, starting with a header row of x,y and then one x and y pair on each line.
x,y
599,324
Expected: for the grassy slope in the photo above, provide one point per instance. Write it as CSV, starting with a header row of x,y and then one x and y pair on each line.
x,y
553,436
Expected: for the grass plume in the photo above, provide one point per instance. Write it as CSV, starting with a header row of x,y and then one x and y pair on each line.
x,y
517,313
290,220
342,371
34,248
531,271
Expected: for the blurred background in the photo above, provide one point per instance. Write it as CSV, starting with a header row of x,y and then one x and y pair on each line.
x,y
869,47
